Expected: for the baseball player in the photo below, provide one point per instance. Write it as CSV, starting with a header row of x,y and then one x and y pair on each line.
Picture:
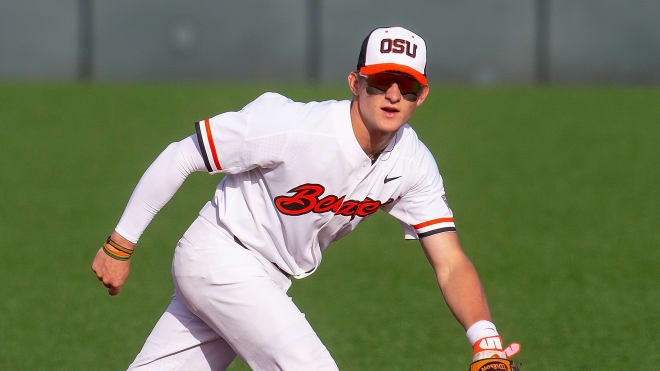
x,y
298,176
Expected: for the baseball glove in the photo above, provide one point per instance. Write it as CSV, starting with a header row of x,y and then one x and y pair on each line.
x,y
494,364
489,355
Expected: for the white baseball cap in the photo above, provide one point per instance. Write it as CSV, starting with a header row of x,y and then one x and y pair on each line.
x,y
393,49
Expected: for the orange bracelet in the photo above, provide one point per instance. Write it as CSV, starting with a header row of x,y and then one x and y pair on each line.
x,y
116,251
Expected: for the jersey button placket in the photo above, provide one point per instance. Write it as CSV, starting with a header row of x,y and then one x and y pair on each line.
x,y
362,173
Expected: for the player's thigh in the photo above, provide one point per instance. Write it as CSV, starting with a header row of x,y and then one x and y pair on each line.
x,y
246,303
182,341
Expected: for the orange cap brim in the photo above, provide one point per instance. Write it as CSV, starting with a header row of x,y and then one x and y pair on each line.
x,y
383,67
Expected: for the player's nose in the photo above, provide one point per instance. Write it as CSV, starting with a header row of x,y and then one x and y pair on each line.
x,y
393,94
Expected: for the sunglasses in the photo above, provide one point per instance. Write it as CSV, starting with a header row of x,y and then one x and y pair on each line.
x,y
379,83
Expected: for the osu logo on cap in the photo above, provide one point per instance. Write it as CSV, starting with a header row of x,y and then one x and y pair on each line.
x,y
398,46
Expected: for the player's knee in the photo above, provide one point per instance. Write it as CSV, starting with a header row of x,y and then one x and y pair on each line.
x,y
298,348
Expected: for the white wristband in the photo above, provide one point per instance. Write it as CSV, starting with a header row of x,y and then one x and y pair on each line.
x,y
480,330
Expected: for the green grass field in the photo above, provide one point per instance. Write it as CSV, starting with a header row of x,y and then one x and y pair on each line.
x,y
555,192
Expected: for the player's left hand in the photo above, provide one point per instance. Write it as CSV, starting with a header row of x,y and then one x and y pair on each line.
x,y
111,272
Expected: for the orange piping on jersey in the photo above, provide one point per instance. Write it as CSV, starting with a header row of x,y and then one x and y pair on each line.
x,y
434,221
211,144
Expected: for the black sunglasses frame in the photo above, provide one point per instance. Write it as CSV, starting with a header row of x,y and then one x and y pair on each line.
x,y
376,89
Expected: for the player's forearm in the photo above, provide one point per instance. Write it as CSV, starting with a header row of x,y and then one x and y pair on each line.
x,y
457,278
464,293
157,186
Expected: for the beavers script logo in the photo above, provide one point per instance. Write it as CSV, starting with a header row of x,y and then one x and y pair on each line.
x,y
306,198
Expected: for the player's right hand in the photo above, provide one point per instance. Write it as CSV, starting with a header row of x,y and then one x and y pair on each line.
x,y
111,272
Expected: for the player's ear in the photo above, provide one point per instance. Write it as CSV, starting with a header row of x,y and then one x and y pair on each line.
x,y
354,83
422,95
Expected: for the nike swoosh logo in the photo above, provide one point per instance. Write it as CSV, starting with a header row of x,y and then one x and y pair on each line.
x,y
391,179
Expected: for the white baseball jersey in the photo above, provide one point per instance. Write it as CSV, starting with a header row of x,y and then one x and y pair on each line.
x,y
297,179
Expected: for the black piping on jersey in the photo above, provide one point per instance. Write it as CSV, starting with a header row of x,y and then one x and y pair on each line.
x,y
436,231
201,146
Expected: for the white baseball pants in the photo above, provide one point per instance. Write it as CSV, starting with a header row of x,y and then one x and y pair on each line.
x,y
229,301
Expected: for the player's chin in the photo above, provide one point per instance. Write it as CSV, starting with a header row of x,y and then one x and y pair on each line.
x,y
386,127
392,122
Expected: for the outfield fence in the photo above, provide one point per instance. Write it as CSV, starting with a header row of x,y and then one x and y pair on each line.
x,y
470,41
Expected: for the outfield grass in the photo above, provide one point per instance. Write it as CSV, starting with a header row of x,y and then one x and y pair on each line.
x,y
554,190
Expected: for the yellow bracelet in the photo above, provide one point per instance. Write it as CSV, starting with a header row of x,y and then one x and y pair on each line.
x,y
116,251
119,247
116,254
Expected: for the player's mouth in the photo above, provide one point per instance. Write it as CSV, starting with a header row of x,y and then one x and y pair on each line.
x,y
389,111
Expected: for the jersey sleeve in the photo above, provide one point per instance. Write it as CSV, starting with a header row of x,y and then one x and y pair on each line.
x,y
255,136
423,209
157,186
